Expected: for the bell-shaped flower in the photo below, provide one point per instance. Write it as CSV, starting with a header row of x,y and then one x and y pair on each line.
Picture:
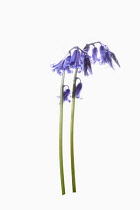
x,y
87,65
75,57
94,55
78,89
114,58
66,93
106,56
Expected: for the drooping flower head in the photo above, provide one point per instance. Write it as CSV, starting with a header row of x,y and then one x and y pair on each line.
x,y
63,65
82,61
106,56
102,55
70,62
76,59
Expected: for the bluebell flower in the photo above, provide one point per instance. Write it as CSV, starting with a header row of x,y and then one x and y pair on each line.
x,y
106,56
114,58
102,54
74,61
63,65
78,89
66,93
94,54
87,65
66,64
85,61
71,61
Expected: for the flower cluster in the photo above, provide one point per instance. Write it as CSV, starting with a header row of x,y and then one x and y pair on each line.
x,y
82,61
75,59
105,56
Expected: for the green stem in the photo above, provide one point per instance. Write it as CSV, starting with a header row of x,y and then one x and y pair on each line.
x,y
72,134
61,137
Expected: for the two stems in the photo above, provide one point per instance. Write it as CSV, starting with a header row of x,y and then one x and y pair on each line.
x,y
71,135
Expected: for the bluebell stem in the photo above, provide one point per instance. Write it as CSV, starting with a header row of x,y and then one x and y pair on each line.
x,y
72,133
61,135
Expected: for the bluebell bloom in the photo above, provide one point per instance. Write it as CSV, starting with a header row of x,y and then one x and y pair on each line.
x,y
76,59
94,54
63,65
66,64
78,89
114,58
106,56
81,60
70,62
74,62
102,54
87,65
66,93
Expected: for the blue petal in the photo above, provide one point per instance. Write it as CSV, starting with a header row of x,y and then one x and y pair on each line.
x,y
66,62
103,54
102,49
75,58
108,59
54,66
66,95
69,71
87,66
114,58
94,54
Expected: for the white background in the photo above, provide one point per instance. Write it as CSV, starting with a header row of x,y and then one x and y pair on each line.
x,y
33,35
